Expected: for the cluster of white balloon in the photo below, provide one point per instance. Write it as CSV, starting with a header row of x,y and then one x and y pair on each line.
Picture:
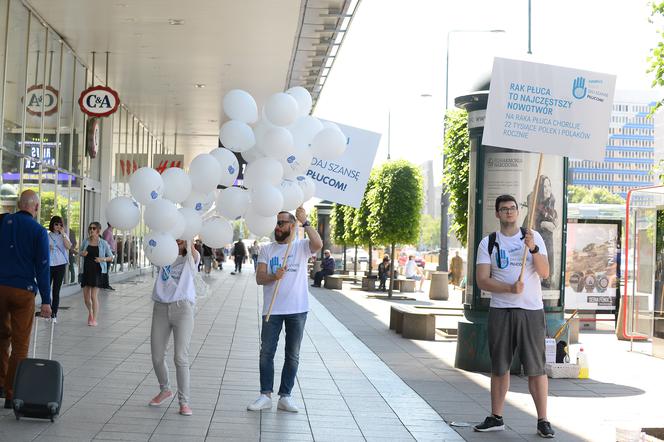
x,y
278,149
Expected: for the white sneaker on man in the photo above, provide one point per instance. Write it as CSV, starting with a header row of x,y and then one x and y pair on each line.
x,y
263,402
286,403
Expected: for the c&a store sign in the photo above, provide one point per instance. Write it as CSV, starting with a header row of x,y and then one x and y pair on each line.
x,y
99,101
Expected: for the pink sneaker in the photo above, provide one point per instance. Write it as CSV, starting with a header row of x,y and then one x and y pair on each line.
x,y
91,319
161,398
185,410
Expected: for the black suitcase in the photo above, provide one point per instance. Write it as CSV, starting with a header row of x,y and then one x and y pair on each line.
x,y
38,384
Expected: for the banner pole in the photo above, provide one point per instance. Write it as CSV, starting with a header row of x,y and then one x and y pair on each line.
x,y
533,208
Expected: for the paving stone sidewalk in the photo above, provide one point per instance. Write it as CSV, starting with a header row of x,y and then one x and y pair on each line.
x,y
345,391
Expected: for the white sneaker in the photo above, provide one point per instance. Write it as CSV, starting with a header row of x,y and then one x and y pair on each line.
x,y
286,403
263,402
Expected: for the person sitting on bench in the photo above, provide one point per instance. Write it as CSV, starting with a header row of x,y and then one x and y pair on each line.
x,y
326,268
412,271
384,272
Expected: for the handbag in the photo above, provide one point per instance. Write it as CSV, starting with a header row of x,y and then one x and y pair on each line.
x,y
202,288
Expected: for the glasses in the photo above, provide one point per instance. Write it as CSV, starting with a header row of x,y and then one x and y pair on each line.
x,y
57,224
507,209
281,223
92,228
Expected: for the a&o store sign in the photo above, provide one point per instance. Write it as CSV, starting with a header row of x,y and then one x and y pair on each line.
x,y
99,101
39,96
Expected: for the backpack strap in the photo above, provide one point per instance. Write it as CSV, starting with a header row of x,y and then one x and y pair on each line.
x,y
523,232
492,239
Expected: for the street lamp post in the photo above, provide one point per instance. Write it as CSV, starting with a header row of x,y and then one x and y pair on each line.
x,y
444,196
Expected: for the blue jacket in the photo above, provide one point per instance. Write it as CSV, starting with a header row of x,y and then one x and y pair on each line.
x,y
104,251
24,255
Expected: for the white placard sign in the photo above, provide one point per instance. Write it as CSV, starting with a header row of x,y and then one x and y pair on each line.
x,y
549,109
343,180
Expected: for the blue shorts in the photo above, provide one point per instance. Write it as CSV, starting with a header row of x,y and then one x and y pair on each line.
x,y
415,277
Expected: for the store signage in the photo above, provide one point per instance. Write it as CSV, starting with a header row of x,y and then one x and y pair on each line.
x,y
127,163
549,109
92,137
38,96
165,161
99,101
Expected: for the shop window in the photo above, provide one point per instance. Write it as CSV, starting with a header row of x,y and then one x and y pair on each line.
x,y
15,76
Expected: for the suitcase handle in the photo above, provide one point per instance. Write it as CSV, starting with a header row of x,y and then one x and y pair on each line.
x,y
50,343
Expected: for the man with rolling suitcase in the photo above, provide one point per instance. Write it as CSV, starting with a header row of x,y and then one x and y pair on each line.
x,y
24,267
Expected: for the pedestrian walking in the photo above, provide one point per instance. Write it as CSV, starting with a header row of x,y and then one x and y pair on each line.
x,y
516,312
208,255
96,255
254,251
110,239
174,296
239,255
58,245
24,268
290,304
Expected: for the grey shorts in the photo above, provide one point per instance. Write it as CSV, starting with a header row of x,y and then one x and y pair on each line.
x,y
513,330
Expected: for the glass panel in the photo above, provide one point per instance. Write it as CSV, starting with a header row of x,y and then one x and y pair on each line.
x,y
67,103
78,134
37,62
15,81
51,202
3,20
10,180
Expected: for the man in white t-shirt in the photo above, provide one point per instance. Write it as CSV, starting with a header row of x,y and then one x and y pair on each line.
x,y
290,306
516,313
412,271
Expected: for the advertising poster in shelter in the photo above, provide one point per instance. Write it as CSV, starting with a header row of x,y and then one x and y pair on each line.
x,y
592,261
344,179
504,174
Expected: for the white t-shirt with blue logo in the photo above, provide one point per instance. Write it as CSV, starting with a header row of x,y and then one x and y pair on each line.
x,y
505,263
293,296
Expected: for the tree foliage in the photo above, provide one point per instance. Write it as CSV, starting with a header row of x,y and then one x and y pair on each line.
x,y
595,195
656,59
362,231
396,203
338,224
456,170
349,233
429,232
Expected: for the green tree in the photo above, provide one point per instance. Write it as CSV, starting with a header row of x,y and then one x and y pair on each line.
x,y
362,230
656,58
338,227
396,206
349,232
594,195
456,170
313,217
429,232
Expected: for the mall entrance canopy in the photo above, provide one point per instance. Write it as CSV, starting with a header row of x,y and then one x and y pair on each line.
x,y
641,311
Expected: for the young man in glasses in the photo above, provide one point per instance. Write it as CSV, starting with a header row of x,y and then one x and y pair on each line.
x,y
290,305
516,312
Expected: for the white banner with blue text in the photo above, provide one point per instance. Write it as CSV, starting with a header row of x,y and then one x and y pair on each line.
x,y
549,109
344,179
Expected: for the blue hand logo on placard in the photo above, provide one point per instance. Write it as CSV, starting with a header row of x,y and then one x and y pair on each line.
x,y
579,90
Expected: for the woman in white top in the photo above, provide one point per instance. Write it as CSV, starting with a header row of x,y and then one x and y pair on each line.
x,y
58,245
174,295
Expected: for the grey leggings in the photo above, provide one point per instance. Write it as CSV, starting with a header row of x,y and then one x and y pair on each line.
x,y
178,317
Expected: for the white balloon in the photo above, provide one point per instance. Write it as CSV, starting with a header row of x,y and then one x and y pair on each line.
x,y
303,98
263,170
281,109
329,124
237,136
307,185
240,105
146,185
297,163
276,142
192,221
160,215
204,173
233,202
266,200
292,193
200,202
160,248
216,232
177,185
123,213
304,130
178,227
230,167
260,225
328,144
251,155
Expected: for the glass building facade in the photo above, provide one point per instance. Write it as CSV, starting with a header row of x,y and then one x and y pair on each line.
x,y
43,135
630,151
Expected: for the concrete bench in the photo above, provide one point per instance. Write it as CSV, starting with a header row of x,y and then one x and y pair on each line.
x,y
413,323
368,284
404,285
334,281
